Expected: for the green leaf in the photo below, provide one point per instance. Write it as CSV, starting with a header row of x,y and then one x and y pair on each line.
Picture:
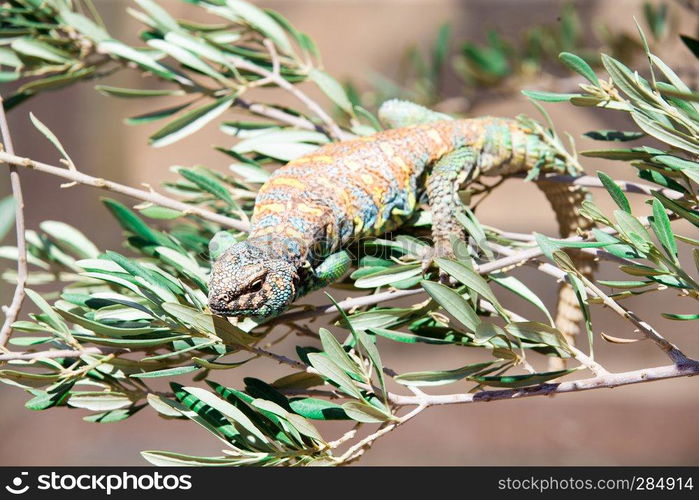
x,y
624,78
676,163
579,65
547,246
144,60
109,417
538,333
298,380
208,324
170,459
367,343
7,76
472,280
132,223
70,239
304,41
680,317
44,400
548,96
692,44
621,154
156,115
660,224
201,48
364,412
386,276
688,214
366,320
99,401
236,416
670,75
665,134
433,378
332,89
250,173
159,15
516,286
407,338
453,303
336,353
129,342
615,191
515,381
52,318
186,58
633,230
156,212
27,341
212,365
31,47
614,135
623,284
318,409
209,184
55,82
51,137
168,372
7,215
298,422
281,151
161,286
109,330
83,25
136,93
190,122
259,19
328,369
9,58
12,253
182,262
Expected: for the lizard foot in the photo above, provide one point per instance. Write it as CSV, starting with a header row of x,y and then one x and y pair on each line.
x,y
438,251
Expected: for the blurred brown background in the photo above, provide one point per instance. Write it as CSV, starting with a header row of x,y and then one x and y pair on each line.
x,y
646,424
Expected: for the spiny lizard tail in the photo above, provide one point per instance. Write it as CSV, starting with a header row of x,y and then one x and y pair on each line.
x,y
312,207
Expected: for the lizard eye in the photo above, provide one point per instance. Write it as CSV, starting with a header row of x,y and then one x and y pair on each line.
x,y
256,285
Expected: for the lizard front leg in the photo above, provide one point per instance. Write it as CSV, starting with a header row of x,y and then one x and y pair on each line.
x,y
329,271
448,173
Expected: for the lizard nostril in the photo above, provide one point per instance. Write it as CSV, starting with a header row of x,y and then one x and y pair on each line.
x,y
220,301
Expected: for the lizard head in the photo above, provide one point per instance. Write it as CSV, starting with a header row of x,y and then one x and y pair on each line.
x,y
247,280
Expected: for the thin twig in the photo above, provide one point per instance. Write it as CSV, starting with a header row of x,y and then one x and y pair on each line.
x,y
139,194
333,129
358,449
604,381
59,353
688,369
277,114
12,311
277,357
628,186
673,352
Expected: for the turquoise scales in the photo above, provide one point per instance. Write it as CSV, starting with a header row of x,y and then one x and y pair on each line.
x,y
315,205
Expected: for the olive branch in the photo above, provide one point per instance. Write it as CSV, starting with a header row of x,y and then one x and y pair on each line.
x,y
118,321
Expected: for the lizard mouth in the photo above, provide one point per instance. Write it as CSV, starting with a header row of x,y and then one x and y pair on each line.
x,y
225,312
219,311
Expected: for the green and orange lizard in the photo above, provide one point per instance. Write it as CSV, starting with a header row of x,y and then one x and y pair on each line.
x,y
314,206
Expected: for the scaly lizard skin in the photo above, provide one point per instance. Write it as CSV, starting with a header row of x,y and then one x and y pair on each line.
x,y
312,207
